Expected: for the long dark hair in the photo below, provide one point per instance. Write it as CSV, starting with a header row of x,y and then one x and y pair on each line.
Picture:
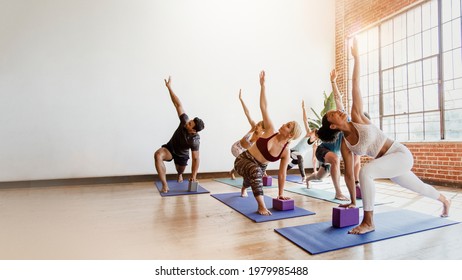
x,y
325,133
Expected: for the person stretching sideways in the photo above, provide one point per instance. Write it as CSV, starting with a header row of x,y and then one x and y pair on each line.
x,y
391,159
270,147
184,138
298,152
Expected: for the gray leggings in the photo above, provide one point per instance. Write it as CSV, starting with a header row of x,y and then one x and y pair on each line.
x,y
252,171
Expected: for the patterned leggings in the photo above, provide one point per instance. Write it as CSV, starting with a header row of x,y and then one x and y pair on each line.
x,y
252,171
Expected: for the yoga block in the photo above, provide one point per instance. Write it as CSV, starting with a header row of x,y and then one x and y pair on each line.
x,y
343,217
192,186
267,181
358,192
283,205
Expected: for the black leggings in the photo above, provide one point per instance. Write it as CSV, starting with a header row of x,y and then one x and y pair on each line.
x,y
252,171
299,162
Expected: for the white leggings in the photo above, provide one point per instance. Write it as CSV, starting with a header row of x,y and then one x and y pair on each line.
x,y
396,165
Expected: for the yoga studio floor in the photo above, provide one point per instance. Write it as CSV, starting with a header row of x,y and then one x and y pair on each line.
x,y
132,221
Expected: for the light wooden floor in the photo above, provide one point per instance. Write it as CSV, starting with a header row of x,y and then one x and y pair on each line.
x,y
132,221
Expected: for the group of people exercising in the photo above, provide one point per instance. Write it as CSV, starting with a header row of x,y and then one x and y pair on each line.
x,y
350,136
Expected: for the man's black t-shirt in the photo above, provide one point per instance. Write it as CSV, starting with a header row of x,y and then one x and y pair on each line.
x,y
182,141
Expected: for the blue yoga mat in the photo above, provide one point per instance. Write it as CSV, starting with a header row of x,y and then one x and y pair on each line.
x,y
323,237
238,182
294,179
248,206
176,188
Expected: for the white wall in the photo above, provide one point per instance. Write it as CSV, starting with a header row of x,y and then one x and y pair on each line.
x,y
82,89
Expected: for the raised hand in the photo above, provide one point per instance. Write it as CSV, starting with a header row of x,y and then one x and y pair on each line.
x,y
333,76
354,48
167,82
262,78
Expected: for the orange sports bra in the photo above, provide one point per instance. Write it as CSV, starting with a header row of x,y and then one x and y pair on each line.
x,y
262,145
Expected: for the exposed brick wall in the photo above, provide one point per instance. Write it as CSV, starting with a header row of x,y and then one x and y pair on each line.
x,y
435,162
438,161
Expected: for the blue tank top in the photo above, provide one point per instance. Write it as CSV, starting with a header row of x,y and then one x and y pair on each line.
x,y
334,146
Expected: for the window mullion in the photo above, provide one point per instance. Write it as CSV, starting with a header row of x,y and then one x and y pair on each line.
x,y
380,78
440,70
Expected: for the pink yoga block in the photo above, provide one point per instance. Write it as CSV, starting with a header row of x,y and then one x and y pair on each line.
x,y
283,205
358,192
267,181
343,217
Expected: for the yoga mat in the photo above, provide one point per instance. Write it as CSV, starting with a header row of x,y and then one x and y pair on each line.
x,y
320,194
248,206
238,182
176,188
323,237
294,179
327,195
298,179
235,183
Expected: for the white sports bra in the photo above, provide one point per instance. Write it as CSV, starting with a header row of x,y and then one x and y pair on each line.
x,y
370,142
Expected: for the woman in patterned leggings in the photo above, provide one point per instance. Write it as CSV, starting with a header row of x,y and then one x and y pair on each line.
x,y
251,164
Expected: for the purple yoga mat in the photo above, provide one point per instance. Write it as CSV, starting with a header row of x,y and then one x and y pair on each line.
x,y
176,188
248,206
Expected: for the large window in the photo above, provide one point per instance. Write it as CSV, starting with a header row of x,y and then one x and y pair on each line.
x,y
411,72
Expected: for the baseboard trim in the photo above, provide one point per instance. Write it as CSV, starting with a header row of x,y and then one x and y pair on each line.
x,y
150,178
77,181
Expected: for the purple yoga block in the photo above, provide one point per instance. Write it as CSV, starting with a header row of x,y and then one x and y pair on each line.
x,y
343,217
358,192
267,181
283,205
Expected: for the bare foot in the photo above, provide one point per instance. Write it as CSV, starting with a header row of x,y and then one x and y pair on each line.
x,y
164,189
233,177
244,192
303,179
308,184
341,197
363,228
446,206
180,178
264,211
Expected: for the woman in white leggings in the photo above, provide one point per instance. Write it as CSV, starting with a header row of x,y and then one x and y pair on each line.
x,y
391,159
395,164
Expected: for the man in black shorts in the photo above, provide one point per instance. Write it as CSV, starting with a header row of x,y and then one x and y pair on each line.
x,y
184,138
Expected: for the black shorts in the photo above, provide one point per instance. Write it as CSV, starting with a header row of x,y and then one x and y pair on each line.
x,y
178,160
321,153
